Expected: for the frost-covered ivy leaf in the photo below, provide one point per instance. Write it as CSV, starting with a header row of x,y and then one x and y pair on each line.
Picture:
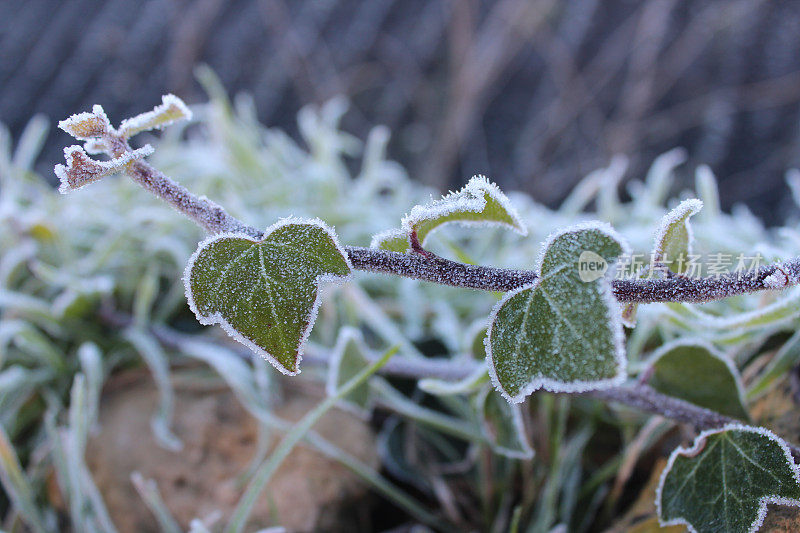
x,y
696,372
82,169
392,240
501,423
87,126
348,359
673,241
563,332
265,293
724,482
480,203
171,110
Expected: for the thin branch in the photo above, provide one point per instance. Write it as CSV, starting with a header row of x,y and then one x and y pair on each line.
x,y
430,267
638,396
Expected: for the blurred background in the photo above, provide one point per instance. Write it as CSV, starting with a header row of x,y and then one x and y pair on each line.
x,y
535,94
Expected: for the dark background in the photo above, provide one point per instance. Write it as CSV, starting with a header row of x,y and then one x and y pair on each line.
x,y
533,93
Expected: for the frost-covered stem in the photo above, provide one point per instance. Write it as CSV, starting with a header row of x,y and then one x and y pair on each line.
x,y
208,215
436,269
430,267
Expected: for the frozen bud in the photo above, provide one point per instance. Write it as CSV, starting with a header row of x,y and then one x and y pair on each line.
x,y
81,169
172,109
87,126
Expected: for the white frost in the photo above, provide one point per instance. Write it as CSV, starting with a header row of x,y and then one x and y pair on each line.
x,y
614,320
390,234
171,110
681,214
697,447
472,198
217,318
82,169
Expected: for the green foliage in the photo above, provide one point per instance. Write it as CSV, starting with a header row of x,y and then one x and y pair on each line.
x,y
87,282
725,480
265,292
698,373
479,203
562,333
673,244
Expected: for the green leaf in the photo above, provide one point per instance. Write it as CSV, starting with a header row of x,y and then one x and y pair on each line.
x,y
696,372
501,422
724,482
480,203
348,359
563,332
673,242
265,293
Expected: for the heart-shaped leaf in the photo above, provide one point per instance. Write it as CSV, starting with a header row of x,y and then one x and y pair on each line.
x,y
501,423
480,202
265,293
563,332
724,482
696,372
348,359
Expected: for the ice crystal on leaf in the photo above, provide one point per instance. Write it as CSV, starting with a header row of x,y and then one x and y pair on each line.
x,y
171,110
724,482
673,241
102,137
479,203
265,293
82,169
561,333
87,126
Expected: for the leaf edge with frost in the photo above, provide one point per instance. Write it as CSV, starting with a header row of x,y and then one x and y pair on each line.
x,y
613,313
473,200
217,318
697,447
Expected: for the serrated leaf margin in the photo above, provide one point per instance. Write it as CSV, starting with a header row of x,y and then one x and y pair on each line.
x,y
217,318
613,313
697,447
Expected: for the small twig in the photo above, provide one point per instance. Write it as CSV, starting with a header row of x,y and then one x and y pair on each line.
x,y
639,396
430,267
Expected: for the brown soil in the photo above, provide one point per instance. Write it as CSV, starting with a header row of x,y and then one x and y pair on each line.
x,y
309,492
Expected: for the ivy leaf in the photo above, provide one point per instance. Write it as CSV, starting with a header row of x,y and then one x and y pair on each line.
x,y
501,423
348,359
265,293
479,203
724,482
562,332
673,241
696,372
